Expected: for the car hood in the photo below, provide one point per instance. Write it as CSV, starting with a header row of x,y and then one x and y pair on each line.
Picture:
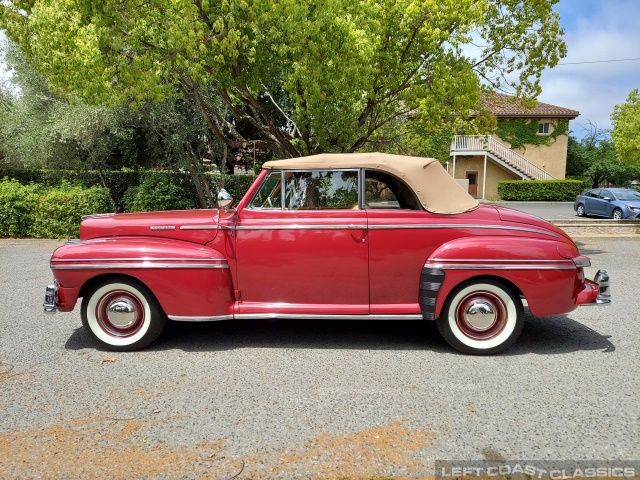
x,y
199,226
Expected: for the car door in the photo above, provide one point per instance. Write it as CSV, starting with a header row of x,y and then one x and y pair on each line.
x,y
605,204
591,204
301,246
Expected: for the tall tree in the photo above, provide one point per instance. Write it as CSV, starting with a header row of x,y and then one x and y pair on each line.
x,y
294,77
626,128
41,128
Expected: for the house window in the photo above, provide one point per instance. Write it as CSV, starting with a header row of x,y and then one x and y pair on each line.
x,y
543,128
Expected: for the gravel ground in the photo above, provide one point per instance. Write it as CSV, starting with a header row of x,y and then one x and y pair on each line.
x,y
287,399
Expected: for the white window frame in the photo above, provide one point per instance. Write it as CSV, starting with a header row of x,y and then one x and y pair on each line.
x,y
545,127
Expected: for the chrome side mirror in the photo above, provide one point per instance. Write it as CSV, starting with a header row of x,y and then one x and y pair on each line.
x,y
224,199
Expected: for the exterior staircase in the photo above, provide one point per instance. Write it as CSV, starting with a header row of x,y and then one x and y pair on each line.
x,y
500,154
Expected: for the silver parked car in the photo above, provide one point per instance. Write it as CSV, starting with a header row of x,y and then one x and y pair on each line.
x,y
617,203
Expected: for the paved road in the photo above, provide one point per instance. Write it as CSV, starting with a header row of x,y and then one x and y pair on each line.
x,y
297,399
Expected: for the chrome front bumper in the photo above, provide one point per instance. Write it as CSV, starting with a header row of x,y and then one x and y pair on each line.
x,y
50,295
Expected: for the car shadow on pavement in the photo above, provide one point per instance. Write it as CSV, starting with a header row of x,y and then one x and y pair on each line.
x,y
548,335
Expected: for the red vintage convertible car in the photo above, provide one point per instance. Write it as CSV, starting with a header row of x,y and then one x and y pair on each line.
x,y
331,236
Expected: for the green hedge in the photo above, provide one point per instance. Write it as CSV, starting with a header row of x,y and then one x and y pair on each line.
x,y
118,184
49,204
47,212
540,190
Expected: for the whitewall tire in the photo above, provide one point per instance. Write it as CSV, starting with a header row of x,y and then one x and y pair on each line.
x,y
122,314
481,317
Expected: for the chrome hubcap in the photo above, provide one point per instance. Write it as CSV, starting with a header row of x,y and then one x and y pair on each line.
x,y
121,312
480,315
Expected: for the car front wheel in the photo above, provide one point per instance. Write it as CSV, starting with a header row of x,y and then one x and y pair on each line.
x,y
617,214
481,318
580,210
122,314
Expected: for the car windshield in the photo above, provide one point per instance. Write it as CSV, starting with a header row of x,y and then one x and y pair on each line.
x,y
627,195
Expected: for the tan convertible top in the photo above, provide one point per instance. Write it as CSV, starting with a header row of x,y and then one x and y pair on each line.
x,y
437,191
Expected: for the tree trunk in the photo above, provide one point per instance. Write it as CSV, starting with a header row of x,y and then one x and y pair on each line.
x,y
114,205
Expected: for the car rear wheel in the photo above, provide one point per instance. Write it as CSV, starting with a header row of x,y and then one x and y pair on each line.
x,y
481,318
617,214
580,210
122,314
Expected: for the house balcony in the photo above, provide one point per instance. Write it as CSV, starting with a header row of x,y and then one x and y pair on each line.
x,y
499,153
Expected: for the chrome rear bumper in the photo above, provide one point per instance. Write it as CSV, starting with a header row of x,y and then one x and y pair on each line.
x,y
596,292
604,294
50,296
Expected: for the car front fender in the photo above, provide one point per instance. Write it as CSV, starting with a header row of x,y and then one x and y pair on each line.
x,y
189,280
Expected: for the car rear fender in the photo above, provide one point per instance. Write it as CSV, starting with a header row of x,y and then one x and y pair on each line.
x,y
543,271
188,279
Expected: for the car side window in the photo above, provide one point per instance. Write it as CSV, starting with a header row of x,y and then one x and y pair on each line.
x,y
269,195
605,194
321,190
593,193
383,191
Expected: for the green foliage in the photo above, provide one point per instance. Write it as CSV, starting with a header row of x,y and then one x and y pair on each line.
x,y
293,77
626,129
520,132
47,212
158,192
579,158
17,205
122,185
59,210
540,190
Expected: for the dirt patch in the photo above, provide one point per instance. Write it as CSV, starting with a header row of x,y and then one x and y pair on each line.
x,y
372,453
7,372
98,448
120,449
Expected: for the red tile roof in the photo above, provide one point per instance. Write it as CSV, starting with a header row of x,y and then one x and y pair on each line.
x,y
502,105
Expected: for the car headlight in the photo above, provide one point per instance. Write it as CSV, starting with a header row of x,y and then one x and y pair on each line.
x,y
631,208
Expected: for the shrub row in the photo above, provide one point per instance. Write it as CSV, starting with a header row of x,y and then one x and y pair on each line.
x,y
36,203
542,190
134,190
46,212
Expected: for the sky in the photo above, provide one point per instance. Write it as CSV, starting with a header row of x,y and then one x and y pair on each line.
x,y
595,30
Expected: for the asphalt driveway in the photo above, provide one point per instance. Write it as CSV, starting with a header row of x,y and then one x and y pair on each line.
x,y
298,399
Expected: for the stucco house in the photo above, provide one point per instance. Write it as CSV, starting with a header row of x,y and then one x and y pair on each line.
x,y
529,144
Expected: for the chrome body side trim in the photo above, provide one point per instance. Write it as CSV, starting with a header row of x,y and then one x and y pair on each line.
x,y
199,227
491,260
218,318
302,316
303,227
506,266
397,227
137,265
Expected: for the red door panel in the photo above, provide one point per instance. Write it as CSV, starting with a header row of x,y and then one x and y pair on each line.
x,y
313,262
